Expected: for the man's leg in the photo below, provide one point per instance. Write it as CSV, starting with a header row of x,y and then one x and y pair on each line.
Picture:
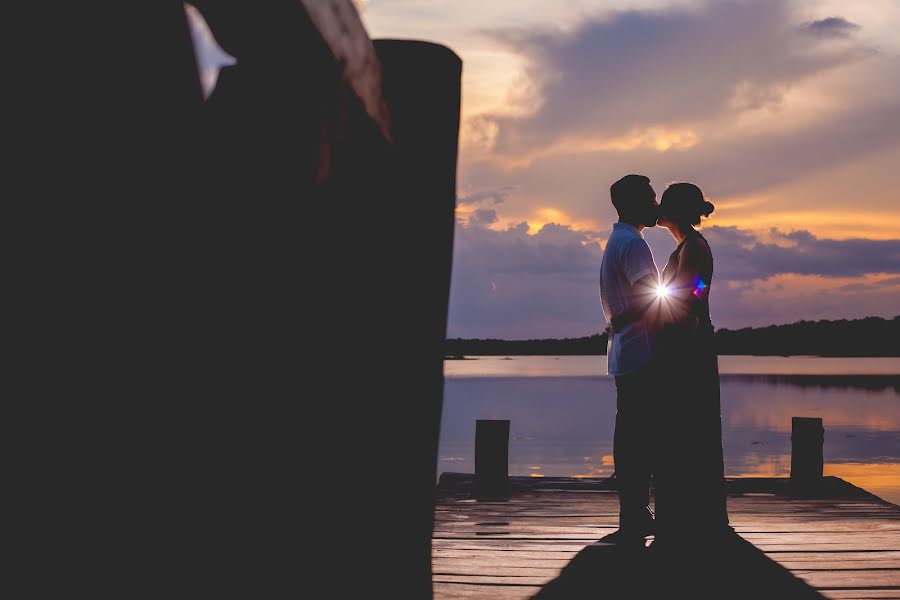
x,y
631,451
669,467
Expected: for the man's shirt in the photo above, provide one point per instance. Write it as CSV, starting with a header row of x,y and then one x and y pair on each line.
x,y
626,259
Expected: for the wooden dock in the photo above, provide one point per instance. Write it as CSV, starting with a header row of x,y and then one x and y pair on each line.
x,y
831,540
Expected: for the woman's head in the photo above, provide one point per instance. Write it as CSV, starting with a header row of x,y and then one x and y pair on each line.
x,y
682,205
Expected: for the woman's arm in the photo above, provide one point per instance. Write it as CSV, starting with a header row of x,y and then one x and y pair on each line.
x,y
691,284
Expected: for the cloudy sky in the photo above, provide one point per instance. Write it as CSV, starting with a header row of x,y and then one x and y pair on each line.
x,y
786,114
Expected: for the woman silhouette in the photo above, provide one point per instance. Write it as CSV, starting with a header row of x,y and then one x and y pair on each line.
x,y
690,480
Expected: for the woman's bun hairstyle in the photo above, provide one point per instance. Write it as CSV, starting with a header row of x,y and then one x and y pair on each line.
x,y
684,202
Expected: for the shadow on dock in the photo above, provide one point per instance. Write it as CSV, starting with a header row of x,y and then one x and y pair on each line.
x,y
537,538
733,568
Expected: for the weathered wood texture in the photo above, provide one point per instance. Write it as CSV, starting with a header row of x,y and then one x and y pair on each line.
x,y
340,27
845,545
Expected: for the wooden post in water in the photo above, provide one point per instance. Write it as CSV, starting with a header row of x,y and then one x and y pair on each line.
x,y
491,454
807,438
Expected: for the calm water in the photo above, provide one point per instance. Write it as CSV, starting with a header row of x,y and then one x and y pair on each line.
x,y
562,411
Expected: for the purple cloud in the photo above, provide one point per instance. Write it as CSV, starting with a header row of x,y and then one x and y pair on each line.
x,y
640,69
513,285
799,253
832,27
495,195
483,216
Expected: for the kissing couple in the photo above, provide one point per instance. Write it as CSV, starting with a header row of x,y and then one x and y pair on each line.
x,y
661,352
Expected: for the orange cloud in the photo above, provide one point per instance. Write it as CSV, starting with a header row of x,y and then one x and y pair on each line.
x,y
824,223
660,139
543,216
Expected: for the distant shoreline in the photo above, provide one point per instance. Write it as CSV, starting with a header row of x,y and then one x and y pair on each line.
x,y
860,338
493,356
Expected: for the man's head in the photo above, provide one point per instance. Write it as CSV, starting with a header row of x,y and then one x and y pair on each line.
x,y
635,200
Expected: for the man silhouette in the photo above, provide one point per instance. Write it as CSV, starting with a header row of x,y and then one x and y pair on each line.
x,y
629,281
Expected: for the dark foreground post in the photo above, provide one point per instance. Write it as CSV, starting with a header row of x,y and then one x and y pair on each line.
x,y
404,253
250,293
807,438
491,455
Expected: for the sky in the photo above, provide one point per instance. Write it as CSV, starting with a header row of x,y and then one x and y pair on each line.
x,y
785,112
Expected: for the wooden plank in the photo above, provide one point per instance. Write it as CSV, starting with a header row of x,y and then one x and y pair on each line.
x,y
852,578
493,579
771,548
510,546
470,568
449,553
887,537
454,590
824,563
571,533
498,560
844,556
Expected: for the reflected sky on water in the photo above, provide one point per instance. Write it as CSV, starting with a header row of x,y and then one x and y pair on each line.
x,y
562,423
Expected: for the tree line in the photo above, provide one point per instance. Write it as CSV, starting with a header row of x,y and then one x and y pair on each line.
x,y
871,336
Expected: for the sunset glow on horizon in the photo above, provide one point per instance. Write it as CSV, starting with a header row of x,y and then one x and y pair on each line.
x,y
757,102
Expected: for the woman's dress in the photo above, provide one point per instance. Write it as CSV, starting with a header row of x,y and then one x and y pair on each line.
x,y
690,481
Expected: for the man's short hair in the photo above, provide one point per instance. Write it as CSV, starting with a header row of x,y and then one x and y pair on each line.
x,y
629,191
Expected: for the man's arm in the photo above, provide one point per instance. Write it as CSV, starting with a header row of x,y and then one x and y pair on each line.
x,y
644,293
642,274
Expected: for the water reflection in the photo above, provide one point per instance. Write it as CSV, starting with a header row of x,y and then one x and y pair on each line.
x,y
563,425
573,366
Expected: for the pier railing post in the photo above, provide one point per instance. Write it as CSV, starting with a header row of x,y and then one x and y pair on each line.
x,y
491,455
807,439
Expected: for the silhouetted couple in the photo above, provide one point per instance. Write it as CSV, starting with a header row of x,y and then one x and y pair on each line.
x,y
661,353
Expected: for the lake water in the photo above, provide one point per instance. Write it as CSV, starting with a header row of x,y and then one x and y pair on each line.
x,y
562,412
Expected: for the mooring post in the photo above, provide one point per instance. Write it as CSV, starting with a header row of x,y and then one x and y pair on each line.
x,y
491,454
807,438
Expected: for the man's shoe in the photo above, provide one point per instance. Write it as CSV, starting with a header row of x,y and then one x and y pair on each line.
x,y
625,537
